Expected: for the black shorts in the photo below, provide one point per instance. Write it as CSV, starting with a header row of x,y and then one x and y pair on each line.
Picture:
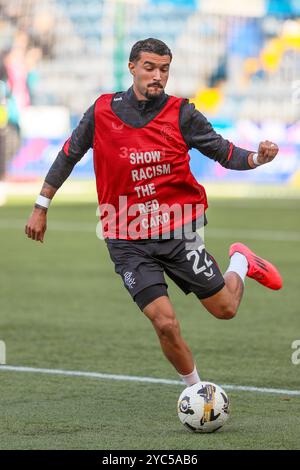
x,y
143,264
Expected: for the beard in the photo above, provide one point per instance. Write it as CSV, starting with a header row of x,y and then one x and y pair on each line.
x,y
153,95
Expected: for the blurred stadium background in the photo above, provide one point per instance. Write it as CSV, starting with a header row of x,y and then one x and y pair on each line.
x,y
238,62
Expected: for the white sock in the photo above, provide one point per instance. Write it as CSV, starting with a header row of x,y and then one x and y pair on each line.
x,y
192,378
238,264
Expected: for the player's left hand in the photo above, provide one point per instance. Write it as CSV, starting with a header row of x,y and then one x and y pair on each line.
x,y
267,151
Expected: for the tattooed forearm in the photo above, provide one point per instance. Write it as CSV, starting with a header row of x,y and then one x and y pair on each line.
x,y
48,190
37,206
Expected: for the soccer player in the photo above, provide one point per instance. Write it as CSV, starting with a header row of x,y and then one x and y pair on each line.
x,y
140,140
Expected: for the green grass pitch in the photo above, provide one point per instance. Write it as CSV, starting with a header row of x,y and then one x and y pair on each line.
x,y
62,306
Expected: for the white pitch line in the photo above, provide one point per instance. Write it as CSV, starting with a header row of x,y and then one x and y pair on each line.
x,y
84,227
132,378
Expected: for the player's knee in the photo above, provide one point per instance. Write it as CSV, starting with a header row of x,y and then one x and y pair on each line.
x,y
222,310
166,327
169,328
163,319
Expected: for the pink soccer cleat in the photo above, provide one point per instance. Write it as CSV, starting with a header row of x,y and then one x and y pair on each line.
x,y
259,269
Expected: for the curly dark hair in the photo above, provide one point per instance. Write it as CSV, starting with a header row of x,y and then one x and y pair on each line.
x,y
148,45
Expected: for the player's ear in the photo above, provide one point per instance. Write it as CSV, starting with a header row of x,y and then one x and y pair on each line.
x,y
131,67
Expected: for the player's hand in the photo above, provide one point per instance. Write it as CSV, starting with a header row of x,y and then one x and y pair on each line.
x,y
267,151
37,225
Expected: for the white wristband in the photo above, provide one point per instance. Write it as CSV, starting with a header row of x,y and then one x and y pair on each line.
x,y
255,161
43,201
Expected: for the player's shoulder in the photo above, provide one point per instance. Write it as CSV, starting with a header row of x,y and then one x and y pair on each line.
x,y
190,114
109,98
186,107
181,103
178,98
184,102
115,95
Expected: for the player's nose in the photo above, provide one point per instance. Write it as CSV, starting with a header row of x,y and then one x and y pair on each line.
x,y
157,75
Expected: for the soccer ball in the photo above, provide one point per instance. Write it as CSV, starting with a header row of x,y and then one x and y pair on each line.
x,y
203,407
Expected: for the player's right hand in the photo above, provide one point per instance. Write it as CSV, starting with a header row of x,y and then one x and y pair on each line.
x,y
36,225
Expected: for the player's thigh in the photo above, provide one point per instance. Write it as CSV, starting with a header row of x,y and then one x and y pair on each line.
x,y
193,269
